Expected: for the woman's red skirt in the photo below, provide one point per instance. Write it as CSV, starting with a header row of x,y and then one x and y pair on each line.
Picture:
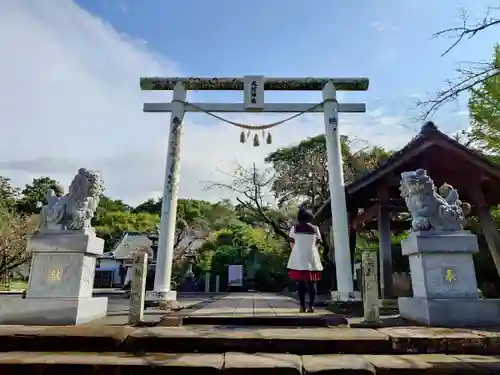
x,y
304,275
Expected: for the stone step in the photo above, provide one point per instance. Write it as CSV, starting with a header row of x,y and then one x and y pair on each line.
x,y
221,339
311,320
233,363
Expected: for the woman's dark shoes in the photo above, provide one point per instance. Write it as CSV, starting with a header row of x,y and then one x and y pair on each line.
x,y
302,310
310,310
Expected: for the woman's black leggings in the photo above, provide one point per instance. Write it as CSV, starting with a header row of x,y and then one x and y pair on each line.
x,y
307,286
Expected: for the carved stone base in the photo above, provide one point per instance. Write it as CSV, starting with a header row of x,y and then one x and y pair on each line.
x,y
441,264
444,281
162,300
63,265
60,282
459,312
53,311
353,296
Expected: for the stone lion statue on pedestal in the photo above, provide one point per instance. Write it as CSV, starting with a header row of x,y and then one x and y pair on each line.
x,y
75,210
430,209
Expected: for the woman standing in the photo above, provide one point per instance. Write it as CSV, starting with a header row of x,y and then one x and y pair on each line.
x,y
304,264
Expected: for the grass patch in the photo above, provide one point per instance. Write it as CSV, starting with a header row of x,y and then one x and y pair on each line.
x,y
14,285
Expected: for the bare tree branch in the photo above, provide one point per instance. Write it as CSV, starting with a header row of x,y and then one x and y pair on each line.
x,y
251,184
477,73
466,30
468,79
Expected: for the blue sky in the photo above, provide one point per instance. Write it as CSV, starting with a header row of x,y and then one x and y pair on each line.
x,y
83,60
388,41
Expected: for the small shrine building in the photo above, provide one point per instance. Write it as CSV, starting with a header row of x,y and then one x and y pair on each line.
x,y
373,200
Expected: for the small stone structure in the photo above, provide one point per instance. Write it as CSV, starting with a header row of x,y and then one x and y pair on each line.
x,y
138,288
369,266
63,265
207,282
440,255
189,282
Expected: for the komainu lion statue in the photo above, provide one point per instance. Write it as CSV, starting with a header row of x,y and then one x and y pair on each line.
x,y
75,210
429,209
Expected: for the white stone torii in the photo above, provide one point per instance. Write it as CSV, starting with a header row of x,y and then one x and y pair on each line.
x,y
254,88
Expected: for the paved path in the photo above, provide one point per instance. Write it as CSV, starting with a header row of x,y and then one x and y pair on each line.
x,y
249,305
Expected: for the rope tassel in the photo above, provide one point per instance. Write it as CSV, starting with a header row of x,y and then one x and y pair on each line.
x,y
269,139
254,128
256,142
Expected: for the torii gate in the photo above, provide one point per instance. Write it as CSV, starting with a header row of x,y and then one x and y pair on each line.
x,y
254,88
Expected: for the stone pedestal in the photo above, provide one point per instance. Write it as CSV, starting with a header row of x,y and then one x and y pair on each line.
x,y
60,282
444,281
166,299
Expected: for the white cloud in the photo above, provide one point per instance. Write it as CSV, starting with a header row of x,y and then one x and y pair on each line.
x,y
69,97
385,56
381,27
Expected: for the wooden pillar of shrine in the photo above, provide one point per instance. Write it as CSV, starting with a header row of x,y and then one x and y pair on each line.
x,y
488,224
385,249
353,235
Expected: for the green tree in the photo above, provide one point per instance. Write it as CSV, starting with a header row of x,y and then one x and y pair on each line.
x,y
151,206
301,170
242,244
108,204
14,231
35,192
109,225
113,217
8,193
484,111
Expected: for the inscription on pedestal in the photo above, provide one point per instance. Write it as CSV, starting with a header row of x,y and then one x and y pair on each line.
x,y
449,275
56,275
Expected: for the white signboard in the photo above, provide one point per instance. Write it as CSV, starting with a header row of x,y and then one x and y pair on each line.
x,y
235,275
253,92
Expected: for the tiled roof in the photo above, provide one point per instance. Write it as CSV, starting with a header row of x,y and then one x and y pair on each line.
x,y
429,133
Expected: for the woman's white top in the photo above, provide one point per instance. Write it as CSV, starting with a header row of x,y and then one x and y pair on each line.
x,y
305,254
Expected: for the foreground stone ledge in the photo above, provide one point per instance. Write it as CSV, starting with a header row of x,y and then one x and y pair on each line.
x,y
22,363
262,363
75,363
421,364
336,364
75,338
407,340
270,340
213,339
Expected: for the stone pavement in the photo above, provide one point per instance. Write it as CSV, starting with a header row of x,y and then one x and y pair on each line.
x,y
255,309
251,305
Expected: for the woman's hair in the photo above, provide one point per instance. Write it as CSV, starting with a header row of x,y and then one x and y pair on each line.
x,y
304,222
304,216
